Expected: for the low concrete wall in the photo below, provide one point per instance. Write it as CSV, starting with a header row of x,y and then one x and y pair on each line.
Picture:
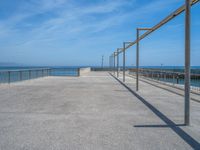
x,y
83,71
101,69
106,69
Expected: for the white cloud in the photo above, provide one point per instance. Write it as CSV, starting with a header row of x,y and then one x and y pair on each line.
x,y
71,20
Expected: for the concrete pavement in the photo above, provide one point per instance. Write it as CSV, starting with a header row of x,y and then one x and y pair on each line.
x,y
94,111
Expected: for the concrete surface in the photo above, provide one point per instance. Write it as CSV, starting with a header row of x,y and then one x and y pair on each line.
x,y
195,95
84,71
95,112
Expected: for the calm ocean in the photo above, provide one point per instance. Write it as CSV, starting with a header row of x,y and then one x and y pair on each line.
x,y
75,67
73,71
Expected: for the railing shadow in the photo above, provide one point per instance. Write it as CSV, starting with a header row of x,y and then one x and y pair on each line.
x,y
169,123
158,126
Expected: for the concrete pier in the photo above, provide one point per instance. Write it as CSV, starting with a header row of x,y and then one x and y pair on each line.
x,y
94,111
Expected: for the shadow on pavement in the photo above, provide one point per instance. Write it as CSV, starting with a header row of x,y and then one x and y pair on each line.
x,y
158,126
169,123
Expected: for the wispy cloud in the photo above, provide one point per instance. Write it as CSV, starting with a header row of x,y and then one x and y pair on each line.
x,y
55,23
69,19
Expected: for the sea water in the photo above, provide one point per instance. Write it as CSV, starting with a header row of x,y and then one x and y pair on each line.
x,y
13,73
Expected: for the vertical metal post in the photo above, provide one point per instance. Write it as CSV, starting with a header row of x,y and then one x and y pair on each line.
x,y
187,62
177,79
102,61
117,62
110,63
9,77
78,72
29,74
20,75
114,63
137,61
110,67
124,61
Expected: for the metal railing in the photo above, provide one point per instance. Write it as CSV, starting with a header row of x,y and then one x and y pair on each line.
x,y
101,69
65,72
168,77
187,8
9,76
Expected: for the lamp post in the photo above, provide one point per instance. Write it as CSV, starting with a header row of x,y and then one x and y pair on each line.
x,y
137,55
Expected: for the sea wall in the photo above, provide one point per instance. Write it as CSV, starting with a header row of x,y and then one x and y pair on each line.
x,y
83,71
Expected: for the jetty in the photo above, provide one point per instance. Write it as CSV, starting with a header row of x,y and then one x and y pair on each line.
x,y
112,107
95,110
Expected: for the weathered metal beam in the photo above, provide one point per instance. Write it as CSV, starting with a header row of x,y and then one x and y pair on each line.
x,y
144,28
114,62
137,54
120,50
161,23
137,59
187,62
124,60
118,62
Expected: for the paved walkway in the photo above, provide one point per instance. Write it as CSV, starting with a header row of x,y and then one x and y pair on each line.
x,y
177,89
95,111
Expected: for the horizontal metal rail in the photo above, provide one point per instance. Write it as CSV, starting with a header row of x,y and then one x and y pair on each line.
x,y
16,70
163,71
157,26
169,77
8,76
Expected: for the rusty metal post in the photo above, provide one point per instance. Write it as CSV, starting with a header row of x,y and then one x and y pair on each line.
x,y
111,63
124,61
187,62
117,62
114,62
137,60
137,53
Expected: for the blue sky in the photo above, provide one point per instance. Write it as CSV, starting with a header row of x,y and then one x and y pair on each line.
x,y
79,32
